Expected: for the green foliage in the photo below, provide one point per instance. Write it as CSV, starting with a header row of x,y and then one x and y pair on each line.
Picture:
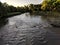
x,y
34,8
5,9
51,5
46,5
2,10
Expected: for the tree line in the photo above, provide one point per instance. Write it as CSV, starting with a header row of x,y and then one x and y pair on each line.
x,y
46,5
5,9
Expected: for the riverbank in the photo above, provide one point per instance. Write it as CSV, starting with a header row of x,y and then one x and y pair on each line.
x,y
41,13
47,13
53,17
12,14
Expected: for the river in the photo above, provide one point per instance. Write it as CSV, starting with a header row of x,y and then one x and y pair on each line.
x,y
25,29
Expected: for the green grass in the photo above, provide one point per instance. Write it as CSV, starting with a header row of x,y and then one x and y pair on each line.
x,y
47,13
12,14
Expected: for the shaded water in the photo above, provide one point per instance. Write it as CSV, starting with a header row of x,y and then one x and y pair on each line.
x,y
28,30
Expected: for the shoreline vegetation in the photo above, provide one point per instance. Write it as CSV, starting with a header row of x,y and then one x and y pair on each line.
x,y
12,14
46,13
46,8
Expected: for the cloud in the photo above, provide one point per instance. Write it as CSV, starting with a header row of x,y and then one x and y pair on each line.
x,y
21,2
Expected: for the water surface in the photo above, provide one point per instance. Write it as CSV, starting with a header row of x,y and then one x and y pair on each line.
x,y
28,30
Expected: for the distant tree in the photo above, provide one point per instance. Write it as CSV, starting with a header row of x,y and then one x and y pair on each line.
x,y
12,8
2,10
48,5
26,8
57,5
18,9
44,5
31,7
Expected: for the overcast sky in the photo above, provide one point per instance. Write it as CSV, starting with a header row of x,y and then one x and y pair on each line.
x,y
21,2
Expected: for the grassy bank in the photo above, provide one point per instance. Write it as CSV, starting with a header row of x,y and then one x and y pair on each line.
x,y
47,13
12,14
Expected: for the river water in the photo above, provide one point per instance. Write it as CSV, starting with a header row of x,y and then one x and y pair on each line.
x,y
25,29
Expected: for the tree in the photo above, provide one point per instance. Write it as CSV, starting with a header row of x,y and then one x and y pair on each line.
x,y
48,5
31,7
44,5
2,10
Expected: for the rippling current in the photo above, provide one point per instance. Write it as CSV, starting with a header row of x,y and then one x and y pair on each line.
x,y
28,30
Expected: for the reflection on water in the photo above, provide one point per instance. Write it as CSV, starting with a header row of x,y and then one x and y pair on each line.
x,y
3,22
25,29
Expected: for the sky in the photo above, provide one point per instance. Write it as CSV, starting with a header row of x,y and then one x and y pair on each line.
x,y
21,2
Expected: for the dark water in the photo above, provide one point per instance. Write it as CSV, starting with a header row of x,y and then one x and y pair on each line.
x,y
28,30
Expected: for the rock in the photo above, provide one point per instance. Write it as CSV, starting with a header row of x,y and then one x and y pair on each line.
x,y
54,25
